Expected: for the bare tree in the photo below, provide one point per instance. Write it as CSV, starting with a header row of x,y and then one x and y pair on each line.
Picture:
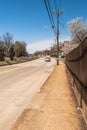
x,y
11,52
20,49
1,50
78,29
8,40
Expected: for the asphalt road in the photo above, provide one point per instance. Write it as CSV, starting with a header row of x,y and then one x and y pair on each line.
x,y
18,84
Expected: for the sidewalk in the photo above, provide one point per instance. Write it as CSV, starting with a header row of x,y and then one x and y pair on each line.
x,y
54,108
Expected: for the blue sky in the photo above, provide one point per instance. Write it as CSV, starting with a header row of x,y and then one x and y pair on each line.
x,y
27,20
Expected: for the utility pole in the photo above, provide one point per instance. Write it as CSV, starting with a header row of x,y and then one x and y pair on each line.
x,y
57,12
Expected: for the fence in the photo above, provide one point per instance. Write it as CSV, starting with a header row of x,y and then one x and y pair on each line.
x,y
76,62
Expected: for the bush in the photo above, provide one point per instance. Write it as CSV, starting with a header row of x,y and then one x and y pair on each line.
x,y
7,60
17,59
2,55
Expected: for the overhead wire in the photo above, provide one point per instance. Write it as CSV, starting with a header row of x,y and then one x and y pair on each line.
x,y
55,4
48,8
61,24
50,11
57,7
64,28
51,15
60,3
47,5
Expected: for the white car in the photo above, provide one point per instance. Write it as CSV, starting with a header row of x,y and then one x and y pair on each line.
x,y
47,58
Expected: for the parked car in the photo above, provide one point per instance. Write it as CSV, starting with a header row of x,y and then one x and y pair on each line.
x,y
48,59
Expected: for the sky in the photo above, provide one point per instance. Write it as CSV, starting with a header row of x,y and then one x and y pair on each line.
x,y
27,20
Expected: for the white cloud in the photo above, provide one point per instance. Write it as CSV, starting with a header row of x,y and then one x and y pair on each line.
x,y
42,45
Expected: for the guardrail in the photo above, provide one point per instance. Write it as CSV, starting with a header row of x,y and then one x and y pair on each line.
x,y
76,62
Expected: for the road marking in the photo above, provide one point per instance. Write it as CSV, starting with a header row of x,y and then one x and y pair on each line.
x,y
5,71
17,68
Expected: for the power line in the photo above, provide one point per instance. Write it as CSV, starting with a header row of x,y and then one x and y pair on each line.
x,y
50,11
57,12
49,14
60,3
53,26
64,28
55,4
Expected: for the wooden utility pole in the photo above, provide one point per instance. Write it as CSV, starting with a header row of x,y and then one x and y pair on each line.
x,y
57,12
